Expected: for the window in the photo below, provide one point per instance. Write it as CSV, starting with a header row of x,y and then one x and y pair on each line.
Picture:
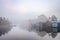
x,y
54,30
54,24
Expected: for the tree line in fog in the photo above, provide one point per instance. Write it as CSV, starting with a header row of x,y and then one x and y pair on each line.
x,y
5,25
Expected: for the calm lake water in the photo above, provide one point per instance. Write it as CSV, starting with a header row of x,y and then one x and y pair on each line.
x,y
17,33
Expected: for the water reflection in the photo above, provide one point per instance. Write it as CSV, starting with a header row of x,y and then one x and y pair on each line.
x,y
16,33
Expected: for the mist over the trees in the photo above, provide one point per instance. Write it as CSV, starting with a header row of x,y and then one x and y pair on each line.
x,y
5,25
26,16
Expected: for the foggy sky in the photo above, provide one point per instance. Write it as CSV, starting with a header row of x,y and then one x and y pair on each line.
x,y
18,10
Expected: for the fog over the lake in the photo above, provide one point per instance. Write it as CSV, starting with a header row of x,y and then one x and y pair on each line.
x,y
17,33
19,11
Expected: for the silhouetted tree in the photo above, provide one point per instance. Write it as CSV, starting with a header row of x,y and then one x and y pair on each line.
x,y
5,25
